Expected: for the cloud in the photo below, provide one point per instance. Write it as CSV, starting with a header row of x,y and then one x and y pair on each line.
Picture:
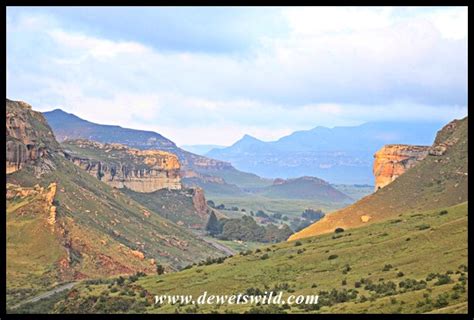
x,y
329,67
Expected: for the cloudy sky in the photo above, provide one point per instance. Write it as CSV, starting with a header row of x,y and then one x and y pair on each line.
x,y
210,75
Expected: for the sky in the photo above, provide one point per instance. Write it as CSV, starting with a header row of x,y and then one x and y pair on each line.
x,y
209,75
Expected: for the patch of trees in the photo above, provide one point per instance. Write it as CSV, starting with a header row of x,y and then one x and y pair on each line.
x,y
311,214
308,217
246,229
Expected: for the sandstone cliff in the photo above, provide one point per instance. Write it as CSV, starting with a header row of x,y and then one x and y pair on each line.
x,y
122,167
437,181
393,160
27,135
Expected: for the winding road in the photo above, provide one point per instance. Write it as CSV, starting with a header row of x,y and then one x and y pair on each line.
x,y
47,294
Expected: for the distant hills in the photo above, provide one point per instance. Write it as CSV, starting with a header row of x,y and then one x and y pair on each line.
x,y
439,180
310,188
201,149
69,126
338,155
216,177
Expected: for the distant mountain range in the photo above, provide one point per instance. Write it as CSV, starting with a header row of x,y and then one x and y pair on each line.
x,y
338,155
201,149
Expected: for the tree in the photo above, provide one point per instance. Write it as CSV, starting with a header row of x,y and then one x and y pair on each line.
x,y
160,269
213,225
211,203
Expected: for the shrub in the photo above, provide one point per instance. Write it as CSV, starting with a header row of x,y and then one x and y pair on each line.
x,y
300,251
333,256
443,279
387,267
339,230
346,269
441,301
400,274
265,256
160,269
298,243
443,212
423,226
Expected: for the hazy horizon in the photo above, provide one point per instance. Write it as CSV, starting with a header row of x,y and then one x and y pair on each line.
x,y
266,72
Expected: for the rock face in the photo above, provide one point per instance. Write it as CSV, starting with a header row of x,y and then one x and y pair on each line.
x,y
393,160
122,167
43,196
27,136
199,202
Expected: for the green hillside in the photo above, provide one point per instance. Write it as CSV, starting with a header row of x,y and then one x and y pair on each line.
x,y
174,205
309,188
96,231
415,263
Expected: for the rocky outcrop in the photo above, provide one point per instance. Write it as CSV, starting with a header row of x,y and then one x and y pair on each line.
x,y
122,167
199,201
44,198
28,136
393,160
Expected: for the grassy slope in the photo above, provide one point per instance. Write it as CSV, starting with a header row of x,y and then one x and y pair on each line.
x,y
92,205
241,179
174,205
102,226
440,248
32,249
437,181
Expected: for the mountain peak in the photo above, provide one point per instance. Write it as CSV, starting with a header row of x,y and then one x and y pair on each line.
x,y
249,137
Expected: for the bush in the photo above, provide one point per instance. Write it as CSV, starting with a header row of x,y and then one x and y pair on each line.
x,y
443,279
298,243
265,256
160,269
339,230
387,267
211,203
333,256
443,212
423,226
400,274
441,301
346,269
300,251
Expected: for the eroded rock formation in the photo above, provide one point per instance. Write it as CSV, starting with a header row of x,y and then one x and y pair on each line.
x,y
27,136
44,198
393,160
122,167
